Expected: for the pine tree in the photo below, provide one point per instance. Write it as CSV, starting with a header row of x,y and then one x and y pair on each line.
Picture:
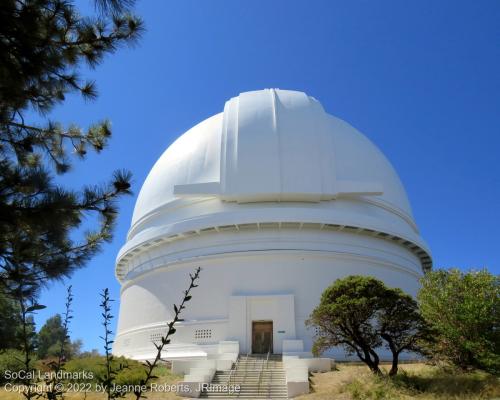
x,y
9,323
43,43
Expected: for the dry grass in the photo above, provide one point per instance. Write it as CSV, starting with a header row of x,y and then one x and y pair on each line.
x,y
415,381
164,377
353,382
93,396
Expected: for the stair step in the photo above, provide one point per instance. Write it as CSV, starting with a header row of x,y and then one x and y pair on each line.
x,y
246,396
256,377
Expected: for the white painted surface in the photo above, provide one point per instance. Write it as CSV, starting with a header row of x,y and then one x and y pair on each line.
x,y
275,199
202,371
245,309
228,347
193,389
297,380
293,346
297,388
183,366
296,374
312,364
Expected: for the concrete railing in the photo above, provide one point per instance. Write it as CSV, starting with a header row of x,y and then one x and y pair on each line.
x,y
297,381
196,378
298,364
312,364
181,367
198,372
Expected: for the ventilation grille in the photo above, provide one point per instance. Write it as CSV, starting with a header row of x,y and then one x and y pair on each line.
x,y
203,334
156,337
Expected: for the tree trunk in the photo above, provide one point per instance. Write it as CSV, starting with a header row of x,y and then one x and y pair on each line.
x,y
372,360
395,354
376,362
394,367
375,369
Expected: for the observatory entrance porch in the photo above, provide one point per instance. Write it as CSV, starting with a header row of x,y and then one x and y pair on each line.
x,y
262,337
260,323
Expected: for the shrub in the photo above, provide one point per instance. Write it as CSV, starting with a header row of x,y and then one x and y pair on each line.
x,y
10,360
464,310
131,375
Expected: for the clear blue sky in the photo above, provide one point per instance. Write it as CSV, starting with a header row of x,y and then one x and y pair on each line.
x,y
419,78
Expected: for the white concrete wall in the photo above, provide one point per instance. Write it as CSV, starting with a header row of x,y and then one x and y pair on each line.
x,y
297,381
245,309
293,345
273,198
312,364
283,285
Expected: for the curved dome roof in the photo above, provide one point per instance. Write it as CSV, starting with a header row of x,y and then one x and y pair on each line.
x,y
275,146
271,145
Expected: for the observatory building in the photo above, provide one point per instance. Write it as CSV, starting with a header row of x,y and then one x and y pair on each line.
x,y
274,199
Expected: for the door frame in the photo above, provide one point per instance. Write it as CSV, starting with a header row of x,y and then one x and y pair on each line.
x,y
266,321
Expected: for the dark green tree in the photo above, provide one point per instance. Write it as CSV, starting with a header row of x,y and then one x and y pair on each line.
x,y
464,309
43,45
345,316
9,323
361,314
72,349
401,325
53,336
50,335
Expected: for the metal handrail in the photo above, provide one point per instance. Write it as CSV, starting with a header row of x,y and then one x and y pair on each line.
x,y
235,366
233,370
271,377
262,366
246,370
260,374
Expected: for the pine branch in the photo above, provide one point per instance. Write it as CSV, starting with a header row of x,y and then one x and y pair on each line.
x,y
44,45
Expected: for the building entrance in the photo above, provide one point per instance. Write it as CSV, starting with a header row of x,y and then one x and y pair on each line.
x,y
262,337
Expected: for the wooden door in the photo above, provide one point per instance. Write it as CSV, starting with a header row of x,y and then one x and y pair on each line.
x,y
262,337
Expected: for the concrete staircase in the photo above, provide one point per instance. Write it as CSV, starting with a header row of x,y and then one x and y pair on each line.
x,y
258,376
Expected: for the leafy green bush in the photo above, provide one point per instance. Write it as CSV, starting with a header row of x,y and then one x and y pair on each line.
x,y
10,360
131,375
95,365
464,310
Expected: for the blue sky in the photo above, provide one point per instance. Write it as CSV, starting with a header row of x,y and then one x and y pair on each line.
x,y
420,78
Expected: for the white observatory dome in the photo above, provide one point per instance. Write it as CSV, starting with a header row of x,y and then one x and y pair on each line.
x,y
275,199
